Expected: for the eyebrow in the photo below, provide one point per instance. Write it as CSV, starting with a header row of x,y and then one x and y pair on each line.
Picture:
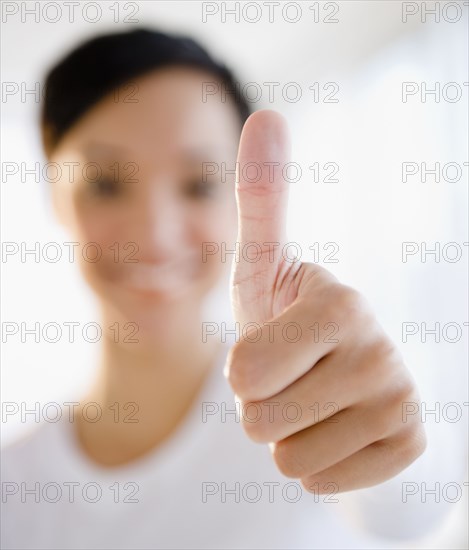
x,y
94,150
192,155
205,154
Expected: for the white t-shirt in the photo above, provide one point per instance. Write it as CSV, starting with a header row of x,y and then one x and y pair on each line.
x,y
207,486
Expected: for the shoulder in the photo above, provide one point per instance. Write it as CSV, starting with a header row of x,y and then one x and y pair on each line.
x,y
32,452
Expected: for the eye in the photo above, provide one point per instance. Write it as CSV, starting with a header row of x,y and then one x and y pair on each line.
x,y
105,187
201,189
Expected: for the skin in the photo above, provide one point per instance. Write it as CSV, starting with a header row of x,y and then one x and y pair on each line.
x,y
167,134
364,440
361,373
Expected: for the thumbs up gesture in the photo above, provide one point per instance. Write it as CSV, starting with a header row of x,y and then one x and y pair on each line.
x,y
331,407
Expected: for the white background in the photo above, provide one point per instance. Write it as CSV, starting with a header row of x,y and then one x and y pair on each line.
x,y
369,213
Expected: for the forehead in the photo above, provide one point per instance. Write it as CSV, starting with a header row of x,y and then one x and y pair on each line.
x,y
163,113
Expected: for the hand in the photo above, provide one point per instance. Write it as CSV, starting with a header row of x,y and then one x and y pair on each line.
x,y
330,406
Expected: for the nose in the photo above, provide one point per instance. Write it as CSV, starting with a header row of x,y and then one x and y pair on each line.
x,y
158,224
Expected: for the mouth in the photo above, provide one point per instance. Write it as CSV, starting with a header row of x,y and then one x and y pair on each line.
x,y
166,278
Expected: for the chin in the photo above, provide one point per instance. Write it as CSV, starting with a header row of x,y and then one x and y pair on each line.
x,y
150,309
153,303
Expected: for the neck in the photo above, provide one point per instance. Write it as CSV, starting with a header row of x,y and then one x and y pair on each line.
x,y
144,389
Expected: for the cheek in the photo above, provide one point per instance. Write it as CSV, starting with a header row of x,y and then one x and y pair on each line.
x,y
214,234
102,237
221,218
103,230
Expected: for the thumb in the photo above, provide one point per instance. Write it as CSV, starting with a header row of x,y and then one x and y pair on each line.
x,y
262,199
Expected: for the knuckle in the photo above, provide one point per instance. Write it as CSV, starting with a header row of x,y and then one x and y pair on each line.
x,y
413,445
419,442
255,424
347,306
308,484
381,364
286,460
389,417
318,485
402,390
244,370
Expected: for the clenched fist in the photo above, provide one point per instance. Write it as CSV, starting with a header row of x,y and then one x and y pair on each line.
x,y
347,390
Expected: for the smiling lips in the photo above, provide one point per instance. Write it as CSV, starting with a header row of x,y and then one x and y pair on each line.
x,y
151,277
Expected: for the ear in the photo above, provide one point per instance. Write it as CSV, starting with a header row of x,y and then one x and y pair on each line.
x,y
59,206
60,189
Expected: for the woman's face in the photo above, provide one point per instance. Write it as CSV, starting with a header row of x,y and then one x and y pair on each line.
x,y
137,189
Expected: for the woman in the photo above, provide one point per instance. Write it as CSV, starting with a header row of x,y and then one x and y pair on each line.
x,y
151,125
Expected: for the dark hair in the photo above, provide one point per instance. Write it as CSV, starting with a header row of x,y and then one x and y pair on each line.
x,y
106,62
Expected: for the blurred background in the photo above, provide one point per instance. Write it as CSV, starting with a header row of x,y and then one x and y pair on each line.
x,y
376,97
